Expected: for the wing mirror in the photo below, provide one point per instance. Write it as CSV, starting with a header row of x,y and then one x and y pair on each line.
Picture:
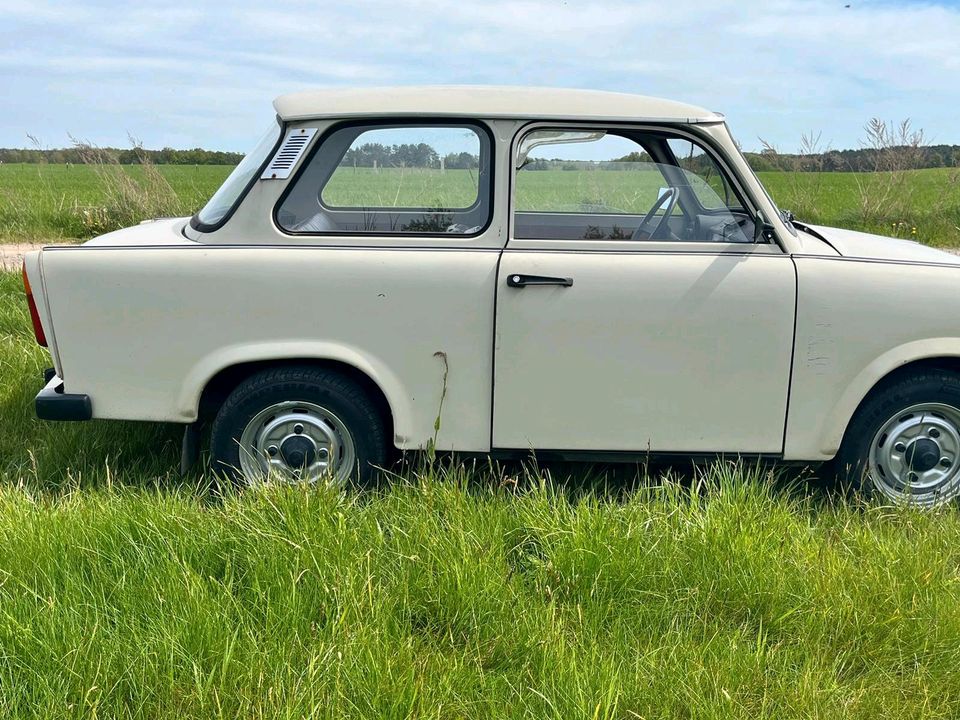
x,y
762,230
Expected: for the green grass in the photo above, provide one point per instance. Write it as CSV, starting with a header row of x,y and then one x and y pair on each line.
x,y
925,208
50,202
450,592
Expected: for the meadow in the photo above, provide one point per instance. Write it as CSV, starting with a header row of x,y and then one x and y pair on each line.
x,y
64,202
452,590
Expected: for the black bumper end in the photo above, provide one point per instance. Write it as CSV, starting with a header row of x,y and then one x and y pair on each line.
x,y
53,403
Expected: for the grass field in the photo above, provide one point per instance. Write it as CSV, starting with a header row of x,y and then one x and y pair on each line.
x,y
448,593
41,202
926,207
60,201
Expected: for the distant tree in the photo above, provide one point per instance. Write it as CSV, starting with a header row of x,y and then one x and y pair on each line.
x,y
419,155
635,157
125,156
537,164
460,161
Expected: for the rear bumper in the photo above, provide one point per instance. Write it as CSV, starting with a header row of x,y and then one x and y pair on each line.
x,y
52,403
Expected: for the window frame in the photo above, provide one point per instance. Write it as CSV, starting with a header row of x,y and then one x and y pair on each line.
x,y
679,131
727,186
196,224
482,130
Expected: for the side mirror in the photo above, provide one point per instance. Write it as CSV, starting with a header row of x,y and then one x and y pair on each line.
x,y
762,230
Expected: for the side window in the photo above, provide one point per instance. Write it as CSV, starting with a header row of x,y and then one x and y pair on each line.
x,y
702,173
618,185
393,179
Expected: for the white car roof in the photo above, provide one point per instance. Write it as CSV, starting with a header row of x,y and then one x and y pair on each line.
x,y
486,102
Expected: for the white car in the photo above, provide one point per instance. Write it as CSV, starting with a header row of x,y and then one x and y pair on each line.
x,y
576,273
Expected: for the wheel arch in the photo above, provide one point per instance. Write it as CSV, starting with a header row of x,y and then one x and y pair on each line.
x,y
943,354
210,384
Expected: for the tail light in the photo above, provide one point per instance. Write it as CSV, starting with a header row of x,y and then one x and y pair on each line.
x,y
34,314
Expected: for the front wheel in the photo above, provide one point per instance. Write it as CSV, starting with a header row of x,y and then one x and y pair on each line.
x,y
904,441
298,425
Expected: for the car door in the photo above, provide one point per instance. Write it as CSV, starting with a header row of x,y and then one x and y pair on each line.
x,y
635,311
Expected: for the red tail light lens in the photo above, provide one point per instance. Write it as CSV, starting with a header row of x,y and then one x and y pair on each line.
x,y
34,315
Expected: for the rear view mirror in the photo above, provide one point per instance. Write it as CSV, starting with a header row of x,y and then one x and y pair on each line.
x,y
552,137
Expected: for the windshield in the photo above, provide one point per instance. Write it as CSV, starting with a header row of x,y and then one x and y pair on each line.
x,y
222,202
786,217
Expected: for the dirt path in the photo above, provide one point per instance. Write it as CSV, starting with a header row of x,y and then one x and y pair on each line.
x,y
11,256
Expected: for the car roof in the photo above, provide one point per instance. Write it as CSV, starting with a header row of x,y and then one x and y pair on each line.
x,y
481,101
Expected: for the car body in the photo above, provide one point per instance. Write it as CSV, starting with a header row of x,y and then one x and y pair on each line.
x,y
612,305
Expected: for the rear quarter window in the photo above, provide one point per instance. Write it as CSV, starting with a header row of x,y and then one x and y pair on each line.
x,y
393,179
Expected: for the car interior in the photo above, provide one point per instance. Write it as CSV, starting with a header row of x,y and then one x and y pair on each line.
x,y
694,201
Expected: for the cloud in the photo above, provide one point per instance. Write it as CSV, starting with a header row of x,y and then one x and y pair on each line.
x,y
192,74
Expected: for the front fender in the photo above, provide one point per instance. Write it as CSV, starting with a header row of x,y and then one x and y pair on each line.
x,y
837,420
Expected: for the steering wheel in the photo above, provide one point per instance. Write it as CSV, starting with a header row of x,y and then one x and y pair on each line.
x,y
668,198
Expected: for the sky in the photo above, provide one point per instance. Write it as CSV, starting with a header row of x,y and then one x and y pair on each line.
x,y
203,74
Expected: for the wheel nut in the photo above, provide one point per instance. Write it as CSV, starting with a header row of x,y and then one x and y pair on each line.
x,y
945,462
272,450
298,428
934,433
900,447
912,477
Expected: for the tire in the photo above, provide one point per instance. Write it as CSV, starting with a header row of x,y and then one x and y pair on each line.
x,y
299,425
903,443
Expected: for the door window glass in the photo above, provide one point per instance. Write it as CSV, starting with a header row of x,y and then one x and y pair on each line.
x,y
614,185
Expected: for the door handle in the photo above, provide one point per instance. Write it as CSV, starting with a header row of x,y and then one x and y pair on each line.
x,y
522,281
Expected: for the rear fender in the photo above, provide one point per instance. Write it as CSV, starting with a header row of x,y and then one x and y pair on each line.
x,y
33,263
374,368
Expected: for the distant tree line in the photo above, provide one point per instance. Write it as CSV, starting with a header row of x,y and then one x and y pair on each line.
x,y
423,155
132,156
420,155
863,160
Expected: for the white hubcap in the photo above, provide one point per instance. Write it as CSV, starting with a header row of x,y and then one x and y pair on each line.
x,y
914,456
296,442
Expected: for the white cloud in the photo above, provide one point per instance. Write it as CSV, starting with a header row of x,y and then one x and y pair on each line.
x,y
204,74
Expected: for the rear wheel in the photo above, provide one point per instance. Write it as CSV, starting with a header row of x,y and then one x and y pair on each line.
x,y
904,441
298,425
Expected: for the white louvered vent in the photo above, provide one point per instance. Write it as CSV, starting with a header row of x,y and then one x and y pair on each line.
x,y
289,153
